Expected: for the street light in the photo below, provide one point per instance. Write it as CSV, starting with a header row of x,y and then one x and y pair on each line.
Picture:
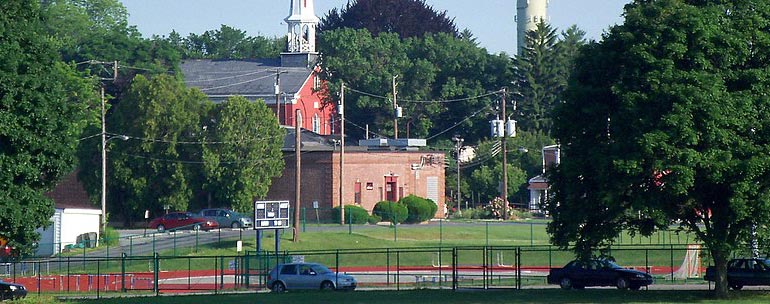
x,y
104,175
458,145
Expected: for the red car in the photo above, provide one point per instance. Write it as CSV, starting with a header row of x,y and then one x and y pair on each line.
x,y
182,220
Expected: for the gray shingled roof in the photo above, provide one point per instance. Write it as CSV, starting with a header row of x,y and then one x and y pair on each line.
x,y
252,79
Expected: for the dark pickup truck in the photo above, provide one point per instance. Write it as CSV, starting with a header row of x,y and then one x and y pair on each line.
x,y
743,272
597,272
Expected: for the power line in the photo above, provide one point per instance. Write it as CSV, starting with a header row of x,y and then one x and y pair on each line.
x,y
228,77
235,84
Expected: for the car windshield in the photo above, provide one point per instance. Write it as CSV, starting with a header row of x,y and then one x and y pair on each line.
x,y
321,269
612,265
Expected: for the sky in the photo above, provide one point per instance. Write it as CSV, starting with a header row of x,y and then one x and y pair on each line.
x,y
490,21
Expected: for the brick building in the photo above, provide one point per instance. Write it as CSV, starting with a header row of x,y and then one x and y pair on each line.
x,y
376,171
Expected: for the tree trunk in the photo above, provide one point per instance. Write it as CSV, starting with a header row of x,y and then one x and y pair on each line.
x,y
720,263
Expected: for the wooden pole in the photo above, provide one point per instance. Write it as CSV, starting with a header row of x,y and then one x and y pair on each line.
x,y
298,178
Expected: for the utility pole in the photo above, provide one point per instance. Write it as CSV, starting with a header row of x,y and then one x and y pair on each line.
x,y
278,95
104,168
395,109
297,177
458,145
342,153
505,158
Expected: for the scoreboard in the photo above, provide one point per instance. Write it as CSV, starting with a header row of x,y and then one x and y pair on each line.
x,y
271,214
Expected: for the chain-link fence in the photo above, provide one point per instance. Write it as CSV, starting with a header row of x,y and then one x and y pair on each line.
x,y
467,267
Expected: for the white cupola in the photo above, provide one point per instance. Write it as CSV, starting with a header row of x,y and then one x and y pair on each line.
x,y
302,23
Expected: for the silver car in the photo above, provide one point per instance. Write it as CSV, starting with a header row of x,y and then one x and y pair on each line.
x,y
308,276
227,218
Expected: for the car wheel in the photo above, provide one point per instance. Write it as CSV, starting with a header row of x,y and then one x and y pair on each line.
x,y
197,227
235,225
736,286
161,228
278,287
565,283
327,285
622,283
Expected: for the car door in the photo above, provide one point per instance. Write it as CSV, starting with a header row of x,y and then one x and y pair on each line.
x,y
579,273
289,276
738,272
605,273
307,277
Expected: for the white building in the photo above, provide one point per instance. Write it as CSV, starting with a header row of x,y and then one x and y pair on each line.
x,y
73,218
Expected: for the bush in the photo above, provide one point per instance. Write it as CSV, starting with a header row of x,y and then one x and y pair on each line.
x,y
391,211
111,237
356,214
419,209
374,219
475,213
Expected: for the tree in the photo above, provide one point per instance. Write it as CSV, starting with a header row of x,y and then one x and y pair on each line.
x,y
435,67
665,121
541,74
407,18
245,153
227,43
43,107
153,168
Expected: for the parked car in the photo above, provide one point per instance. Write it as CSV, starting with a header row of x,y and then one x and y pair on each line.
x,y
308,276
743,272
11,291
181,220
227,218
579,274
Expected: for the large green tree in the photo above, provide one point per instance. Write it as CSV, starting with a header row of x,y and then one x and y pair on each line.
x,y
153,168
666,121
241,153
43,107
407,18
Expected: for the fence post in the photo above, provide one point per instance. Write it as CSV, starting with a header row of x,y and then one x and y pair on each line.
x,y
123,272
196,240
98,279
671,246
454,268
246,270
304,218
156,272
518,268
387,266
350,222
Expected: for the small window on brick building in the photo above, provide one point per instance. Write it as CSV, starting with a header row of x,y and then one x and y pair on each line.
x,y
369,186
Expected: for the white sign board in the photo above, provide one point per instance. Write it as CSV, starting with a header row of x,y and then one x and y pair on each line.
x,y
271,214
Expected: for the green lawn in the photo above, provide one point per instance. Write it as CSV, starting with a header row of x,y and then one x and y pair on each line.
x,y
450,297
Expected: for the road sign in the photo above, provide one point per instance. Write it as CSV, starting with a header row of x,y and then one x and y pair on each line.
x,y
271,214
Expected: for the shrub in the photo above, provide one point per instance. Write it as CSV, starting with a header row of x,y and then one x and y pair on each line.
x,y
419,209
391,211
111,237
356,214
374,219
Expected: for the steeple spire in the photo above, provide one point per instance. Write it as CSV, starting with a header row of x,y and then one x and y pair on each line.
x,y
302,23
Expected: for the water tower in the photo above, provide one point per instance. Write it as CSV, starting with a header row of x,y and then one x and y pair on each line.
x,y
528,14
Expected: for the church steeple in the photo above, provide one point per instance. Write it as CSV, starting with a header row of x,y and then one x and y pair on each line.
x,y
302,23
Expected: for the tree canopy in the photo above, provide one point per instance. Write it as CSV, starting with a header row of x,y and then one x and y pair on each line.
x,y
407,18
226,43
433,68
665,121
44,104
